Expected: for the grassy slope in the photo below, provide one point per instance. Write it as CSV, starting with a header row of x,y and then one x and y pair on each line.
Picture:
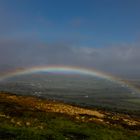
x,y
24,118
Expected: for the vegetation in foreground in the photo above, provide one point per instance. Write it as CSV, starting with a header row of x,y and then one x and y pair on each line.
x,y
29,118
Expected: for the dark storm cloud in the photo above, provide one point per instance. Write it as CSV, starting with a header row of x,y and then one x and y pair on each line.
x,y
117,59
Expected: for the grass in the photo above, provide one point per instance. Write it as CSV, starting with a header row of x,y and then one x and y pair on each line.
x,y
19,122
62,128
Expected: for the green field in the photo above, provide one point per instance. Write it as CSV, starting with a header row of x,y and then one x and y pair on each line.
x,y
57,127
62,128
21,122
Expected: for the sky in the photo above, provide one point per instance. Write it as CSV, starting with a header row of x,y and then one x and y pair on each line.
x,y
100,34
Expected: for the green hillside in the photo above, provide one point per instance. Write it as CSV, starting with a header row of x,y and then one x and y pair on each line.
x,y
31,118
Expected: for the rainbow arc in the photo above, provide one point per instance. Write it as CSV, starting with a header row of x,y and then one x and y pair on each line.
x,y
65,69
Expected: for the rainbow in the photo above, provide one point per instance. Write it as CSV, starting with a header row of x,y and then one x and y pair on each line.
x,y
65,69
56,69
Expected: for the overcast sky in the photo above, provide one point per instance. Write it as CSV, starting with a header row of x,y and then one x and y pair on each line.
x,y
101,34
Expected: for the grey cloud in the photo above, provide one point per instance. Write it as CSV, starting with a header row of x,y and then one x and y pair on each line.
x,y
119,60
